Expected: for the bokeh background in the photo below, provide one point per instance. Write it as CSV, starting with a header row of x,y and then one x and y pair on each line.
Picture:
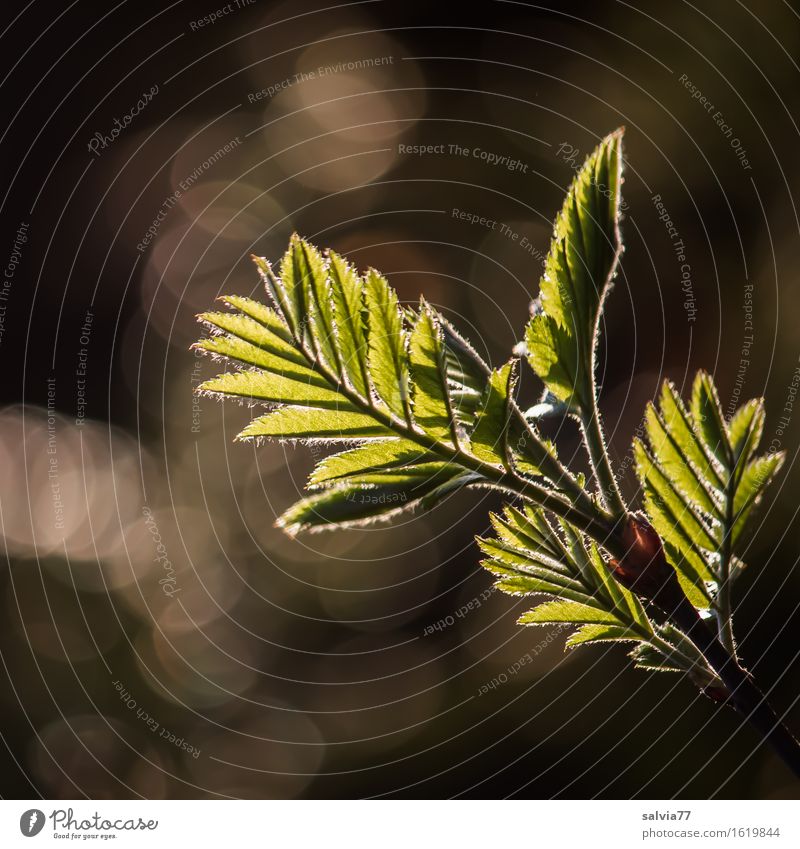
x,y
160,638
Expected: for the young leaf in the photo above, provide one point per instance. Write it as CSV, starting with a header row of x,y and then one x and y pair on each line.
x,y
293,289
260,313
709,420
360,500
428,365
335,358
745,430
602,633
554,355
266,331
677,466
489,436
387,360
347,290
237,348
321,311
701,479
275,388
580,266
680,427
569,612
465,365
386,454
322,426
340,361
755,478
530,556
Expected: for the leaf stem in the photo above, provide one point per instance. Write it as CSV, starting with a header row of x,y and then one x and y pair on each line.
x,y
722,603
594,440
557,473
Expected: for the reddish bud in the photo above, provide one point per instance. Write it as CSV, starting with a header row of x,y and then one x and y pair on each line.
x,y
643,568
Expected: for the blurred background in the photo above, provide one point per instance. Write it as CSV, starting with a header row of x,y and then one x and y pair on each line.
x,y
160,638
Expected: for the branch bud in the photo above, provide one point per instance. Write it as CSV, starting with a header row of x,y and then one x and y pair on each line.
x,y
644,569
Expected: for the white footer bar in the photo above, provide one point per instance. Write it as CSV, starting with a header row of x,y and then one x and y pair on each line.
x,y
400,824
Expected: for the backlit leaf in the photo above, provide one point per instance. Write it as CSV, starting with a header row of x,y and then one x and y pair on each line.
x,y
387,359
428,366
701,480
580,266
488,438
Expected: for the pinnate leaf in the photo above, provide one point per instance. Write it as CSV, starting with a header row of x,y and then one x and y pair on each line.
x,y
531,555
701,479
337,359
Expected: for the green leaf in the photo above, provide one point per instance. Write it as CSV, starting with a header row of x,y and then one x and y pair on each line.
x,y
601,634
680,426
525,585
701,479
709,420
645,656
431,401
686,553
467,373
756,477
534,456
317,425
289,302
625,605
434,472
253,355
527,562
566,612
553,354
260,313
682,512
529,532
335,359
347,290
488,438
694,574
372,457
301,271
530,556
340,360
517,583
275,388
388,361
525,576
462,479
677,466
368,499
266,331
745,429
676,522
320,308
465,365
580,266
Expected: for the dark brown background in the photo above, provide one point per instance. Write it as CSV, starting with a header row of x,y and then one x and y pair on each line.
x,y
301,667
